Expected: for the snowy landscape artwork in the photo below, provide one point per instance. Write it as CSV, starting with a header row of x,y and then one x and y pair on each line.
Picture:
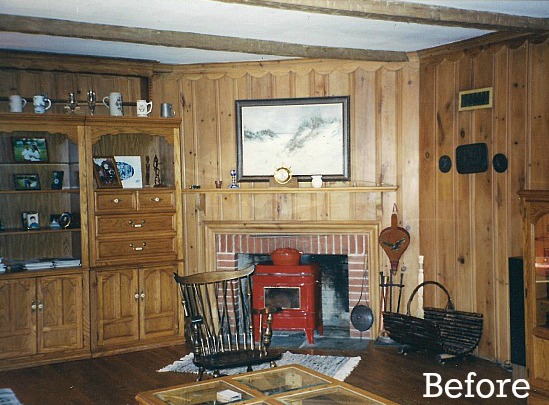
x,y
309,136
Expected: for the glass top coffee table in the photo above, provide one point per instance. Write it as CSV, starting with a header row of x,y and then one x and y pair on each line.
x,y
291,384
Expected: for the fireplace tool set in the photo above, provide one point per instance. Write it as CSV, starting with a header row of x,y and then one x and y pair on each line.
x,y
448,332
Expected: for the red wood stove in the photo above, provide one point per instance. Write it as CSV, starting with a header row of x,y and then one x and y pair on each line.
x,y
294,288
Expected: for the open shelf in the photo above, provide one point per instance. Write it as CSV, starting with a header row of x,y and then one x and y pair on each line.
x,y
292,190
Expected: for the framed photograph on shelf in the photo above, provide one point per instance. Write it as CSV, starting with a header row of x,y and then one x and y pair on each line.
x,y
106,172
309,136
30,150
129,168
26,181
32,220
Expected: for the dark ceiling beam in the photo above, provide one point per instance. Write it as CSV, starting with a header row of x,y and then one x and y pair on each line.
x,y
176,39
408,13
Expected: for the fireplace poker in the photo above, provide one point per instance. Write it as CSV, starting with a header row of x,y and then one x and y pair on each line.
x,y
400,291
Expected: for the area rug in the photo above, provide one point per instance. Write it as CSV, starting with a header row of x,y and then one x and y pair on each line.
x,y
338,367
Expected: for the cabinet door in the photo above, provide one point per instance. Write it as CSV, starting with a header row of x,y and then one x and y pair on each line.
x,y
117,312
60,313
17,318
158,306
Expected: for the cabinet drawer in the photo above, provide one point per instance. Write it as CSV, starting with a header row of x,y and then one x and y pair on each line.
x,y
134,248
115,202
107,225
154,200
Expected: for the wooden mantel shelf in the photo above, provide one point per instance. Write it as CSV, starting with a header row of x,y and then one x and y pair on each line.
x,y
291,190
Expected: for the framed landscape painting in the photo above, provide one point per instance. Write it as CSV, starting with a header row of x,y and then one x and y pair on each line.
x,y
309,136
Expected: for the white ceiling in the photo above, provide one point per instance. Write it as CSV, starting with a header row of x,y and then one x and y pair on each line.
x,y
239,21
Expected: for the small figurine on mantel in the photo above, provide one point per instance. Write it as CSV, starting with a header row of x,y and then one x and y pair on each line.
x,y
156,168
233,184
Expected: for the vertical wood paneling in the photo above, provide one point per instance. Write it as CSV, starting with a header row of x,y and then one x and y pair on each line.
x,y
483,226
388,104
470,222
206,92
407,175
501,208
516,140
465,279
427,173
445,208
539,117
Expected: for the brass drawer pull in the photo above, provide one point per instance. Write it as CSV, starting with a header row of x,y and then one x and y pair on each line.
x,y
156,199
134,225
138,248
117,200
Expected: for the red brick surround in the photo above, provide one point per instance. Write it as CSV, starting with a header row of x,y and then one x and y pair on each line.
x,y
228,247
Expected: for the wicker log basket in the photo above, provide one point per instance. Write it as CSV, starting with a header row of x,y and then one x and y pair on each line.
x,y
446,331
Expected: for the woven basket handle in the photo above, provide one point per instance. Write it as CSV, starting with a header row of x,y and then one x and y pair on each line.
x,y
449,304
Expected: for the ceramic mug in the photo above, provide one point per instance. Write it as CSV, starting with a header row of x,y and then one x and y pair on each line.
x,y
114,102
144,108
17,103
166,110
41,104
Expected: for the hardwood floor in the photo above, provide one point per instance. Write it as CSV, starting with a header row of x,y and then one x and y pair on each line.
x,y
117,379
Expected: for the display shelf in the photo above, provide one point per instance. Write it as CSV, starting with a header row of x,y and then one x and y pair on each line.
x,y
46,191
292,190
20,231
57,271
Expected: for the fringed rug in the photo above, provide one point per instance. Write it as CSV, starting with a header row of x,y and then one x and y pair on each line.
x,y
338,367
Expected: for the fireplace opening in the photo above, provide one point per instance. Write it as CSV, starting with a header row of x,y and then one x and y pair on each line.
x,y
334,281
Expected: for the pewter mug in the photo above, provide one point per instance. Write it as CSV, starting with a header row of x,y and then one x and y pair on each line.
x,y
166,110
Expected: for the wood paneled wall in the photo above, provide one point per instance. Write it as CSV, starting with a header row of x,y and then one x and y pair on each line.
x,y
470,224
384,143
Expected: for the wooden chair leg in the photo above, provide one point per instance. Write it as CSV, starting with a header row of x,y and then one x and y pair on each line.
x,y
200,373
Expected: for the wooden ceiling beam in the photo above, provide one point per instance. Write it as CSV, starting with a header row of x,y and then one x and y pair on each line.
x,y
408,13
177,39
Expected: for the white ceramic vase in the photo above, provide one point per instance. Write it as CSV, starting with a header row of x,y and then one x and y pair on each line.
x,y
316,181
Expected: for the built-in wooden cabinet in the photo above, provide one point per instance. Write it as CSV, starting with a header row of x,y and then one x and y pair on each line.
x,y
135,237
135,306
129,241
41,318
536,281
44,309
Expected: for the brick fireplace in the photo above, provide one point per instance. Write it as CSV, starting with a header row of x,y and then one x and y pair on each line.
x,y
358,247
